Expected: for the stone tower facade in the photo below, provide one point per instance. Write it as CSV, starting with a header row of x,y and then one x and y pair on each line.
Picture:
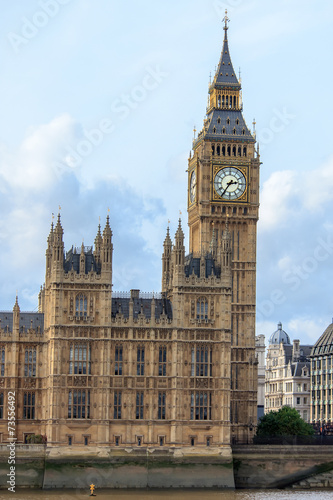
x,y
176,369
223,189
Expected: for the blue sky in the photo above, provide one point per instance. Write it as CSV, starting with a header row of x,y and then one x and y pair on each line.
x,y
99,100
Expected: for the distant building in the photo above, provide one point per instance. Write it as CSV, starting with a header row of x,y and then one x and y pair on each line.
x,y
260,355
321,379
287,378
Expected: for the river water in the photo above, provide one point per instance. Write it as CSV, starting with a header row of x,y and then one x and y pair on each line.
x,y
168,495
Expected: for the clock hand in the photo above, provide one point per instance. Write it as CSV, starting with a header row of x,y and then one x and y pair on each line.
x,y
229,184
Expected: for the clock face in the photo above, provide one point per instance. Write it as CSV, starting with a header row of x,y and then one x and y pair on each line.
x,y
229,183
193,186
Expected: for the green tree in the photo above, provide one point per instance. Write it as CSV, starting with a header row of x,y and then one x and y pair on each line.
x,y
284,422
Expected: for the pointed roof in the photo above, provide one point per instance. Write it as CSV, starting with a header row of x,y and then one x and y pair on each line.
x,y
225,74
107,229
98,239
16,307
58,229
167,241
179,233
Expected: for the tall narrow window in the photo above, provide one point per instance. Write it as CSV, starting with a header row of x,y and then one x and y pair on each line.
x,y
81,305
117,405
201,361
118,355
79,404
1,404
201,403
30,362
2,361
29,405
140,366
79,359
202,308
139,405
161,406
162,361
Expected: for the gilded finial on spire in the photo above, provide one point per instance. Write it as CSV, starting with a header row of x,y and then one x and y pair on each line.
x,y
226,20
59,208
194,132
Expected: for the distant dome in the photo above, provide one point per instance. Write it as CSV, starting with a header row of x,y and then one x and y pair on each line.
x,y
324,344
279,336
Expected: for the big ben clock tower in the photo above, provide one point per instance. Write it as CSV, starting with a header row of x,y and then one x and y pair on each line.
x,y
223,189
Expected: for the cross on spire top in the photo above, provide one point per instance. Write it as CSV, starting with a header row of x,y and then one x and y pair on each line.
x,y
226,20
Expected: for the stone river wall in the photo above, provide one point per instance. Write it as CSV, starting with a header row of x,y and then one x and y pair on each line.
x,y
250,466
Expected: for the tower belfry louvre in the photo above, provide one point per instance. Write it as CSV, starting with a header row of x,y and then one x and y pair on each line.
x,y
174,370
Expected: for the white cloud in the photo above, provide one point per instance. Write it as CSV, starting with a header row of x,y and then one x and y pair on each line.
x,y
318,187
306,329
30,167
290,195
275,197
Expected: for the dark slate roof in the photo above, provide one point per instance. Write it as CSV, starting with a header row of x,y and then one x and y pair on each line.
x,y
145,304
305,351
236,121
324,344
225,74
298,367
27,320
192,265
72,261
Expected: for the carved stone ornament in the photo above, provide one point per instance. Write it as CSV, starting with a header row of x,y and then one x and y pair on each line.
x,y
29,383
80,381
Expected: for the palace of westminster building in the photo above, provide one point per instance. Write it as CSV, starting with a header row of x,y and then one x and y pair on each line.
x,y
176,369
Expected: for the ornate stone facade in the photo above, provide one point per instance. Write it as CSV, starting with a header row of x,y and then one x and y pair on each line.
x,y
173,370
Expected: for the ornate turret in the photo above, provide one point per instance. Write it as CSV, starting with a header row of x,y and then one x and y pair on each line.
x,y
82,260
48,253
226,250
58,246
179,249
107,248
98,244
166,261
178,256
16,318
213,245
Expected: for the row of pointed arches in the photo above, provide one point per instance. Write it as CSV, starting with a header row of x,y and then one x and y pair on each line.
x,y
228,150
227,101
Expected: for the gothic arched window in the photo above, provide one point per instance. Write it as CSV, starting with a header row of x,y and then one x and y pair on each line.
x,y
81,305
202,308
